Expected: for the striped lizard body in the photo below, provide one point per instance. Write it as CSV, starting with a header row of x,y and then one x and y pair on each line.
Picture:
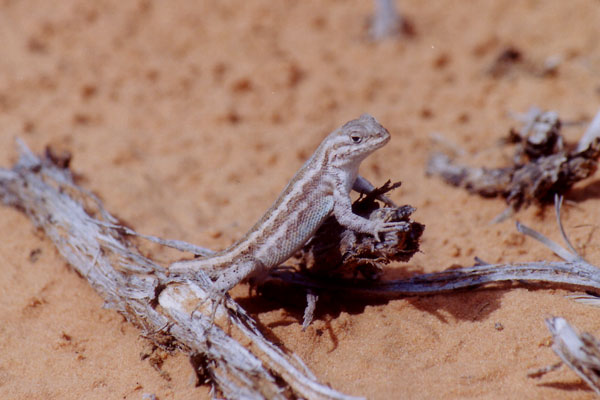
x,y
321,187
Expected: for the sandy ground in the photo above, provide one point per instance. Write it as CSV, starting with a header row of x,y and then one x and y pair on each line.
x,y
188,117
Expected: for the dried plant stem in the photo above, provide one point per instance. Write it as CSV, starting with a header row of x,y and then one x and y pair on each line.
x,y
98,248
580,352
566,273
574,271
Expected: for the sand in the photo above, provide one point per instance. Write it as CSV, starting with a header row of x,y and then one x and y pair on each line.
x,y
187,118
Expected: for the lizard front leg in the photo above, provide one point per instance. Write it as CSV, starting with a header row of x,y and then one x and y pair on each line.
x,y
342,209
361,185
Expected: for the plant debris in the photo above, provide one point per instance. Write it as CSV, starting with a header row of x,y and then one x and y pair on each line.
x,y
542,165
580,352
335,250
511,59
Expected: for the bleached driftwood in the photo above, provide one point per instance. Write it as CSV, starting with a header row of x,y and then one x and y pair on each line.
x,y
579,351
99,248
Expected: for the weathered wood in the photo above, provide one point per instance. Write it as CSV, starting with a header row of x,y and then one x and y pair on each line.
x,y
102,251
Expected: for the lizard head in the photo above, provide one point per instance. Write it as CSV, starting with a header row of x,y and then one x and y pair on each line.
x,y
355,140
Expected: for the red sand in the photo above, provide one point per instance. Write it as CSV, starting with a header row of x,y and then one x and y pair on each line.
x,y
188,118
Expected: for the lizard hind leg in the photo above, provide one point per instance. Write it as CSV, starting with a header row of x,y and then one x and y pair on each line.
x,y
227,279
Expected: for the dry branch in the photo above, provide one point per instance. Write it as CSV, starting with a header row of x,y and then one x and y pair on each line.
x,y
99,248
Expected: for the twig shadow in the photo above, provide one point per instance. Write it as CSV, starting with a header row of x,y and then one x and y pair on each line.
x,y
471,304
567,386
586,192
274,296
465,305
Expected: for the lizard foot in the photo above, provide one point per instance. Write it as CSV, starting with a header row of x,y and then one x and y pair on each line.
x,y
216,298
384,227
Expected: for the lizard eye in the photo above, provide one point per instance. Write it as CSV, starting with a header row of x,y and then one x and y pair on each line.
x,y
356,139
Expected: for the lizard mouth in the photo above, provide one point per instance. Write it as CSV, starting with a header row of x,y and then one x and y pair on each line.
x,y
382,141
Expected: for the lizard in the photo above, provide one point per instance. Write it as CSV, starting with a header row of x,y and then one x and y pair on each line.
x,y
320,188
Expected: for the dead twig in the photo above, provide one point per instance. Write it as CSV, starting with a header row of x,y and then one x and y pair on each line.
x,y
580,352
